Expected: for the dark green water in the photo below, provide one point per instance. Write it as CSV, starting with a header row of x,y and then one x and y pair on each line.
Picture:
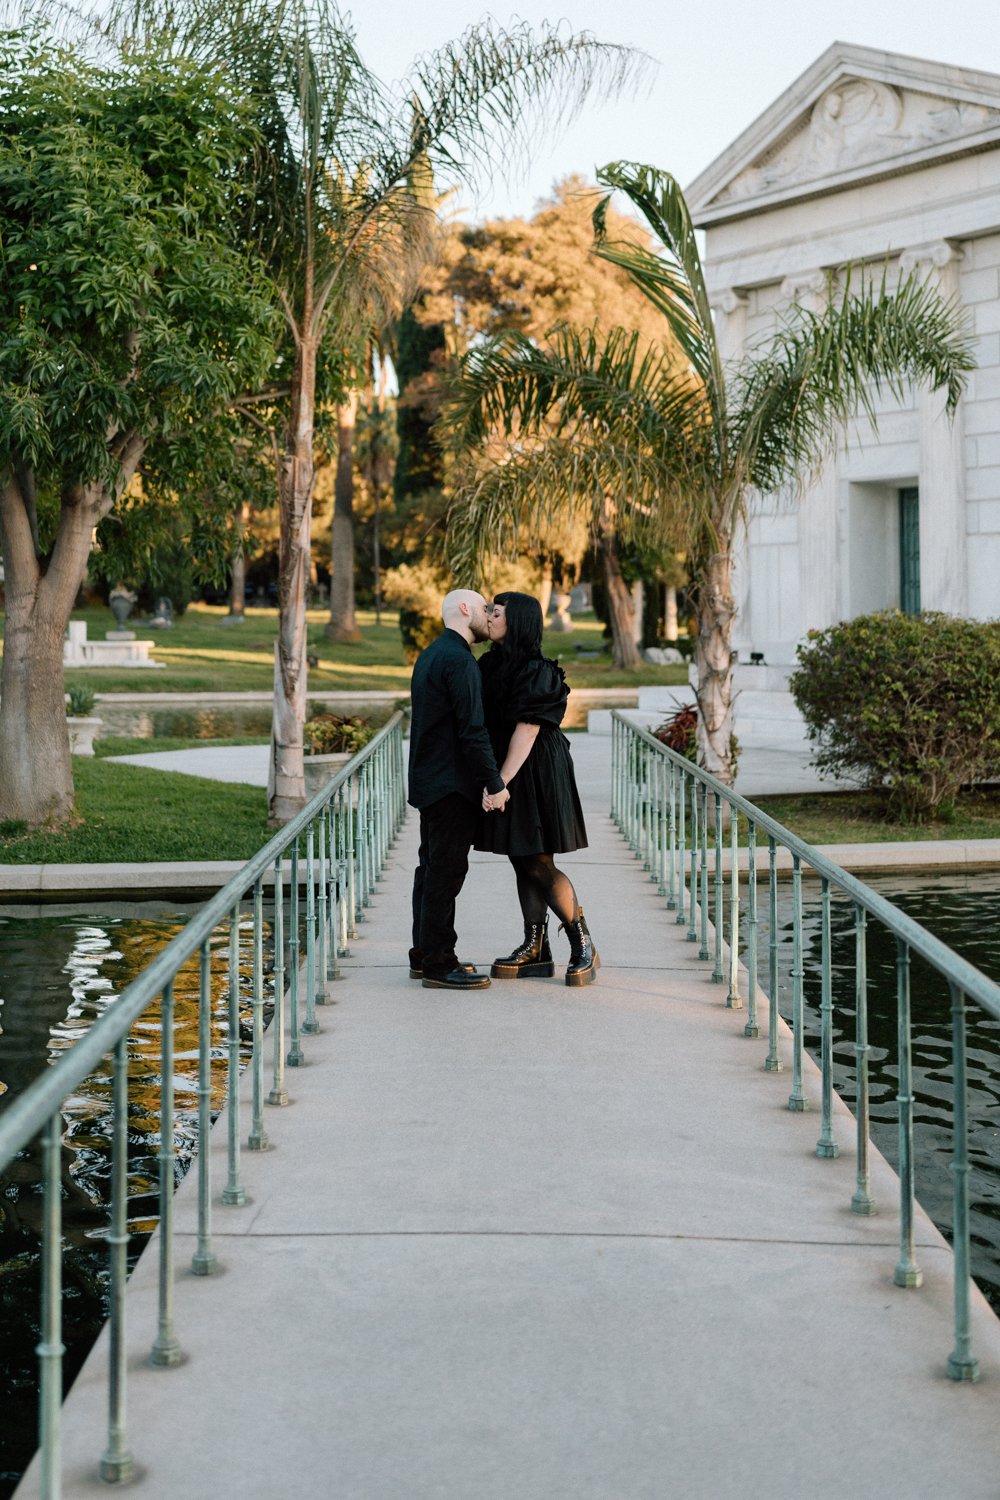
x,y
58,975
964,911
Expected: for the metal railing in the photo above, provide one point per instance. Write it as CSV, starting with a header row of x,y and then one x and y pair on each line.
x,y
336,846
671,814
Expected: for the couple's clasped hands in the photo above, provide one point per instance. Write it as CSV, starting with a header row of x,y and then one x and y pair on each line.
x,y
495,801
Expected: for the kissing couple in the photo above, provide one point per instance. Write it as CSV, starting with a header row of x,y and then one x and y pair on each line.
x,y
490,769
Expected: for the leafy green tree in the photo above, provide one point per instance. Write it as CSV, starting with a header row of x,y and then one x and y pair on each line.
x,y
337,208
126,315
676,459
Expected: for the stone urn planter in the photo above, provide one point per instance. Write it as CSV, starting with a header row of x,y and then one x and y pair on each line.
x,y
319,769
83,731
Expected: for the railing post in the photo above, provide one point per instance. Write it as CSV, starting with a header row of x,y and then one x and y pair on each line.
x,y
962,1363
907,1273
233,1191
310,1026
733,999
353,813
322,960
751,1029
334,818
295,1054
862,1202
50,1349
772,1063
662,769
826,1146
203,1261
166,1350
703,860
692,935
279,1093
680,919
796,1099
672,842
116,1461
718,977
257,1139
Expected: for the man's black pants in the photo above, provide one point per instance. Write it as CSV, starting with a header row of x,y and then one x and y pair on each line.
x,y
447,829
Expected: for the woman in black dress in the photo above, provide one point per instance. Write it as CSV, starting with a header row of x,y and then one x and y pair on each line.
x,y
524,698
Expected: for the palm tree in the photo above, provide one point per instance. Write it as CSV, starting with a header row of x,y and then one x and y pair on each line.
x,y
676,458
334,211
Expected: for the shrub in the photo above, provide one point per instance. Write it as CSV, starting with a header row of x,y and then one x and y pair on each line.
x,y
80,702
332,734
680,731
907,703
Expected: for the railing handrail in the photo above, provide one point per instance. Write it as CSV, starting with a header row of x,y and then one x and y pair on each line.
x,y
955,969
27,1116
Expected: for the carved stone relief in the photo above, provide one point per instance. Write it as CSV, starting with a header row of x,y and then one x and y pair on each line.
x,y
856,122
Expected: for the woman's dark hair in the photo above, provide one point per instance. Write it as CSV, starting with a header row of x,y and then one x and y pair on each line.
x,y
524,628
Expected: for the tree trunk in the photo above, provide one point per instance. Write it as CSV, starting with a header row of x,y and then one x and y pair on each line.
x,y
286,788
342,625
238,577
545,587
36,775
713,659
670,627
621,610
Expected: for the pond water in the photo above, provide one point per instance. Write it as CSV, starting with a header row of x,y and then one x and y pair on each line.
x,y
61,971
964,911
194,721
59,974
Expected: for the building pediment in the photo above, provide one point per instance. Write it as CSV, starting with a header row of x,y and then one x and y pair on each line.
x,y
856,115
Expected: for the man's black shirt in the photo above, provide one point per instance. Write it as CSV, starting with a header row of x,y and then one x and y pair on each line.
x,y
449,747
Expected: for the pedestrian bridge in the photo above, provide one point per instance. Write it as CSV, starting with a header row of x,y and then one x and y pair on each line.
x,y
532,1241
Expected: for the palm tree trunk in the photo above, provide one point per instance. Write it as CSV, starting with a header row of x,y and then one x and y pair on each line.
x,y
238,574
286,788
621,608
36,773
342,625
713,659
670,628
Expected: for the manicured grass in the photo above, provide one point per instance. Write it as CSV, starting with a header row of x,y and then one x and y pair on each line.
x,y
117,744
859,818
130,813
202,654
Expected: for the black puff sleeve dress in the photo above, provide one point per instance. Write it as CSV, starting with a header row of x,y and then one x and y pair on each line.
x,y
543,815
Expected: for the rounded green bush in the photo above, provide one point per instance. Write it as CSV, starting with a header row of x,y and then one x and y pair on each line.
x,y
906,703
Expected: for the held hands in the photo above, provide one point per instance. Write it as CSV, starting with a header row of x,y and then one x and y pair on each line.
x,y
495,802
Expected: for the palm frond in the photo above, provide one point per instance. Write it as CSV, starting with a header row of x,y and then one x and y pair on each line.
x,y
482,96
501,507
674,283
791,399
584,383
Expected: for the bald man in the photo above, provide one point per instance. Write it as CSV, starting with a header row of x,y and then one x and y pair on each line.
x,y
451,761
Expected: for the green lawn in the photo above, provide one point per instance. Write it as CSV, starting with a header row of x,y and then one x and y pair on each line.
x,y
129,813
859,818
202,654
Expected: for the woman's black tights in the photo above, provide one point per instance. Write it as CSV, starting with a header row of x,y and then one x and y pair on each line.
x,y
541,885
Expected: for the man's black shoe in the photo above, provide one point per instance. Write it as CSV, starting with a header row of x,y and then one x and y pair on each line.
x,y
417,969
463,978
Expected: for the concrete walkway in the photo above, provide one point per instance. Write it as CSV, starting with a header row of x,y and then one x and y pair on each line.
x,y
537,1243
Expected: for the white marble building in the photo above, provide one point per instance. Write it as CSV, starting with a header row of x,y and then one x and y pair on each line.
x,y
880,161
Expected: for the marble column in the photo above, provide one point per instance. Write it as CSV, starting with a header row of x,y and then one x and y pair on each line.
x,y
943,571
730,309
820,585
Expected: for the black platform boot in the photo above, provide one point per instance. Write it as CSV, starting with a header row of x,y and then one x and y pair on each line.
x,y
533,960
584,960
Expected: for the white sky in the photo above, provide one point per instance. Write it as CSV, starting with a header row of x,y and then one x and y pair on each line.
x,y
721,63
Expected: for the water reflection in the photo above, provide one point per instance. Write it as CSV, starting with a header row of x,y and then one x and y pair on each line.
x,y
58,974
964,911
